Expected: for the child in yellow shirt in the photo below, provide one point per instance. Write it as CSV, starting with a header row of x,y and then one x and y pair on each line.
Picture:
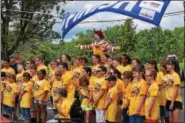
x,y
99,94
25,96
152,99
34,78
174,99
7,68
57,85
33,73
127,77
41,94
111,101
84,93
19,81
137,96
9,95
63,105
3,86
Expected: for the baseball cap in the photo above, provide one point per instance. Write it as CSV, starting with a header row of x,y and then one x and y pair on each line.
x,y
13,56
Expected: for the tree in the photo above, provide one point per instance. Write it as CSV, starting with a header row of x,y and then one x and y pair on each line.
x,y
123,35
27,20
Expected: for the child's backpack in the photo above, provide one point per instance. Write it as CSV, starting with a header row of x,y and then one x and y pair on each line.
x,y
76,113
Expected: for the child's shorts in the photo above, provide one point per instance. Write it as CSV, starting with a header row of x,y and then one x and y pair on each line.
x,y
177,105
26,113
86,108
8,109
162,111
39,102
33,107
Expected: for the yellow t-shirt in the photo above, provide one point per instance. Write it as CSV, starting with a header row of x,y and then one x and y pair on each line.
x,y
64,107
170,85
127,68
78,69
42,67
57,85
40,86
152,92
19,80
66,77
19,77
27,97
162,95
67,80
138,89
9,70
71,87
9,94
127,95
120,68
2,90
111,112
91,82
97,86
84,92
119,84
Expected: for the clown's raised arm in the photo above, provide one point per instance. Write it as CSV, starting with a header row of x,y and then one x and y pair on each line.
x,y
100,46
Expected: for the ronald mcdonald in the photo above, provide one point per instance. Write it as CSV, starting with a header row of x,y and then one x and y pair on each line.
x,y
100,45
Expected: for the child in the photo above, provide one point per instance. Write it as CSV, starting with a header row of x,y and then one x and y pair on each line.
x,y
19,81
63,104
152,100
111,101
41,93
137,96
127,77
34,78
3,86
7,68
174,99
10,95
25,96
162,96
99,94
57,85
84,93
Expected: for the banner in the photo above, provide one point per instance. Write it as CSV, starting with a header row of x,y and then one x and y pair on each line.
x,y
148,11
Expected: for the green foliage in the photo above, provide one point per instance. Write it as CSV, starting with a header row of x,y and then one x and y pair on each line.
x,y
23,20
153,43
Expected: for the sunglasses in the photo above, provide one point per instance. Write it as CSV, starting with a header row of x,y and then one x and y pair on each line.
x,y
111,73
98,71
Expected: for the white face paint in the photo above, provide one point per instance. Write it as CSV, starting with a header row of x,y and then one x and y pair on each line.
x,y
97,38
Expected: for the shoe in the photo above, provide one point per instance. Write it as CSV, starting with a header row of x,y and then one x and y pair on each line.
x,y
20,117
52,121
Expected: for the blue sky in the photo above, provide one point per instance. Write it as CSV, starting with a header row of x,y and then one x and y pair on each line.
x,y
75,6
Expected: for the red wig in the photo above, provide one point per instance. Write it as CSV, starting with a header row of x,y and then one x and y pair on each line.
x,y
100,34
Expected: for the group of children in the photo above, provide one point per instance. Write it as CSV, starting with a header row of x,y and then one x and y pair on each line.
x,y
114,89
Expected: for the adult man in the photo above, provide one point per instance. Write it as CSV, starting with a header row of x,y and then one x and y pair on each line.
x,y
13,61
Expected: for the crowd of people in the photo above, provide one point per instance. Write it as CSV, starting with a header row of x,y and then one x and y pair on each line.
x,y
114,89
